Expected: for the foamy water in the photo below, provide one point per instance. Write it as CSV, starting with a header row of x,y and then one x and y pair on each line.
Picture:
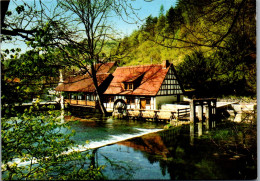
x,y
114,139
91,145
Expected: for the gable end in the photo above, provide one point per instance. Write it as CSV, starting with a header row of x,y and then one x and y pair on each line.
x,y
171,84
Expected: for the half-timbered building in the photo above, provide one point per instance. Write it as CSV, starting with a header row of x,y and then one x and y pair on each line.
x,y
144,87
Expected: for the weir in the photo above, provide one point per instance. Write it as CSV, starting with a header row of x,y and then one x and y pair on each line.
x,y
92,145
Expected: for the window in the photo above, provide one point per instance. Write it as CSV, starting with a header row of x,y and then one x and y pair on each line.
x,y
111,99
72,97
91,97
130,100
148,101
129,86
80,97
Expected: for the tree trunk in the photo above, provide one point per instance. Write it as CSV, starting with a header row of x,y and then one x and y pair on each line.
x,y
4,7
61,97
98,91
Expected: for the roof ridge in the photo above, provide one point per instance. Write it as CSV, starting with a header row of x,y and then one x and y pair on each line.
x,y
133,66
102,73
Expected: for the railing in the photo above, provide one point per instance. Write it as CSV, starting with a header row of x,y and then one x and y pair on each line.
x,y
150,114
81,102
183,112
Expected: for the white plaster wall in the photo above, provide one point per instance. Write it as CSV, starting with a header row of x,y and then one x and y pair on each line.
x,y
130,106
119,97
162,100
109,105
147,107
181,98
137,103
153,103
174,107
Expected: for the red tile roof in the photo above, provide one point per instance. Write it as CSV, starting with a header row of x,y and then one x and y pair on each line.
x,y
83,83
153,76
104,68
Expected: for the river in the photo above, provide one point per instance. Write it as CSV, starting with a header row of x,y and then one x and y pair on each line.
x,y
143,150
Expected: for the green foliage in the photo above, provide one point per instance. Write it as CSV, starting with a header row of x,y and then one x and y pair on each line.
x,y
195,71
168,126
239,70
27,76
221,31
234,138
38,139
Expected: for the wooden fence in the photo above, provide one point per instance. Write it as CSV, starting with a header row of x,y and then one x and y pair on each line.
x,y
157,115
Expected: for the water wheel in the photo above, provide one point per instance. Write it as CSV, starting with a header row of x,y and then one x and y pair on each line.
x,y
119,106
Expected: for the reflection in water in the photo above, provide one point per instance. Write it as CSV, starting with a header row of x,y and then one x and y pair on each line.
x,y
228,151
191,134
91,133
200,128
152,144
170,155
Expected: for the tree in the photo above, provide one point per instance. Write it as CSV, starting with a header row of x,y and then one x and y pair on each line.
x,y
161,20
149,25
37,140
50,31
161,13
4,7
93,15
195,71
34,135
27,19
211,23
224,33
236,74
173,20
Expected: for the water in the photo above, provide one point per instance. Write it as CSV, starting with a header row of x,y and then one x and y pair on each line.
x,y
143,150
228,153
169,155
97,133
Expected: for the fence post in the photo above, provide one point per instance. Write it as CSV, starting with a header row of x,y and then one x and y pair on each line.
x,y
192,112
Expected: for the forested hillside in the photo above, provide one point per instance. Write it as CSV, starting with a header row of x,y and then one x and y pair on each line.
x,y
211,43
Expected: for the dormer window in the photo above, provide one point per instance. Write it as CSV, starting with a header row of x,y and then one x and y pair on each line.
x,y
129,86
133,81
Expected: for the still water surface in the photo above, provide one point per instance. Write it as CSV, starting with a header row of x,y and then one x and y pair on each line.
x,y
167,154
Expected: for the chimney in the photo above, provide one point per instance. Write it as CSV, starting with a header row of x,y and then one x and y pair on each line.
x,y
61,76
165,64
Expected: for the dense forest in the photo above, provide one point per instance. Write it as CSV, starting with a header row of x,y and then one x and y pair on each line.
x,y
211,43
